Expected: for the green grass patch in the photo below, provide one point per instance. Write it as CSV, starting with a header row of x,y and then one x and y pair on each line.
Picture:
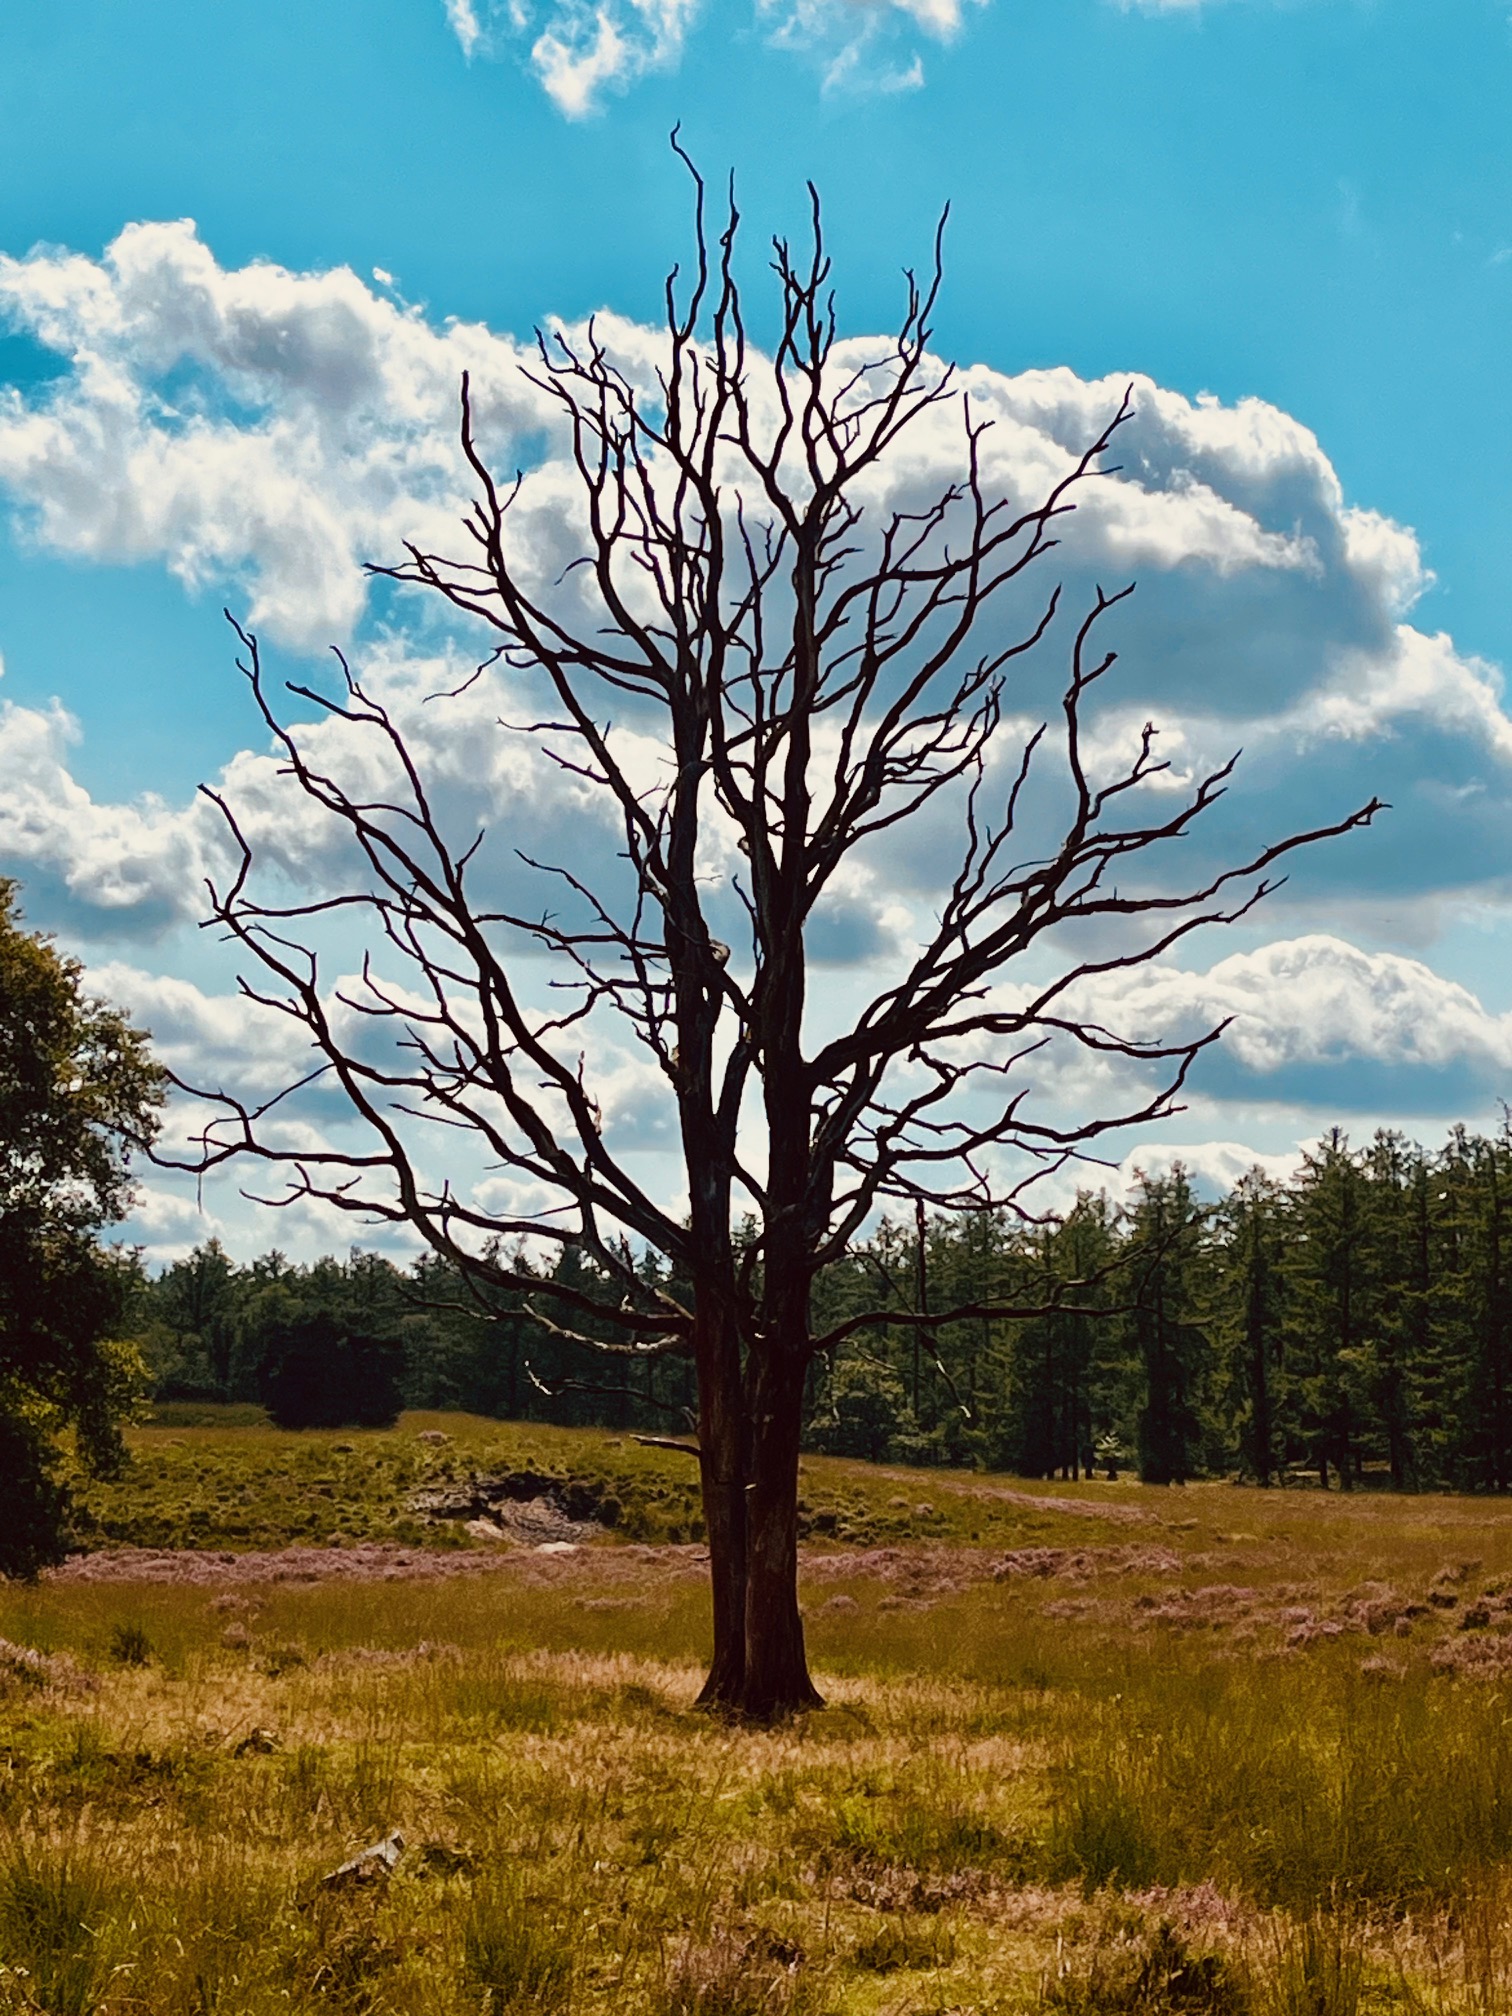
x,y
222,1477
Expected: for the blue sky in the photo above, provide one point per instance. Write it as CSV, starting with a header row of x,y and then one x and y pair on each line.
x,y
1304,203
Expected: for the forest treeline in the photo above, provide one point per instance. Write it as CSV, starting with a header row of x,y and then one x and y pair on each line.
x,y
1352,1326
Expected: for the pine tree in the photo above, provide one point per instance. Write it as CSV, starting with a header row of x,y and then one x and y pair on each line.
x,y
1249,1305
1399,1271
1485,1209
1050,1416
1327,1268
1166,1236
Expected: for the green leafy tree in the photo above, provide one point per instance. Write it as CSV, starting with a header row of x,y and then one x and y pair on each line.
x,y
317,1372
77,1088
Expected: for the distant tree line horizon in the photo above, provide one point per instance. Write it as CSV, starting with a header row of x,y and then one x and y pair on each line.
x,y
1349,1328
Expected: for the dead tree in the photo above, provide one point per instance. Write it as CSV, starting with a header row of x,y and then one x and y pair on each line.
x,y
819,673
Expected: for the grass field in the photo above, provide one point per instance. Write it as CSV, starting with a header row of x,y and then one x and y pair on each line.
x,y
1088,1748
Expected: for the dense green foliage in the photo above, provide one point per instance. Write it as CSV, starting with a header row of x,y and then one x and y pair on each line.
x,y
77,1088
1354,1325
212,1330
318,1372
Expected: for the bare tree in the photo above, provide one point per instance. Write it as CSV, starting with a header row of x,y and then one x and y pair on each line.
x,y
819,672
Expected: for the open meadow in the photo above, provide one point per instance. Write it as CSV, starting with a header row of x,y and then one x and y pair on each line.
x,y
1087,1747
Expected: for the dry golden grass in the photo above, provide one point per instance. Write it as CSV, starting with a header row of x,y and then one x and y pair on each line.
x,y
1212,1751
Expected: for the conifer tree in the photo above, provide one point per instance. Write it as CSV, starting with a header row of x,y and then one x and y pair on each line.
x,y
1055,1406
1485,1206
1165,1231
1327,1266
1399,1271
1250,1303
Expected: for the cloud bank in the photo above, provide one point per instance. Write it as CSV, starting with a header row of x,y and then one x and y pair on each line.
x,y
253,428
260,432
1306,1016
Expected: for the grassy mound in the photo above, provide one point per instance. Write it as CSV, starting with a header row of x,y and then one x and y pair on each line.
x,y
224,1478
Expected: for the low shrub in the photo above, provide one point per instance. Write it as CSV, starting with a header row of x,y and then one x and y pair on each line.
x,y
130,1645
1135,1969
54,1912
517,1951
731,1975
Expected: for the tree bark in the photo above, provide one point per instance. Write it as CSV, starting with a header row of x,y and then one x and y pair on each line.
x,y
1259,1355
776,1680
723,1465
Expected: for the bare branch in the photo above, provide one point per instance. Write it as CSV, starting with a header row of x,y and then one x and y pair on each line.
x,y
821,669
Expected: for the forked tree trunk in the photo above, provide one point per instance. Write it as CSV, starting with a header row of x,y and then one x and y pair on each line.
x,y
759,1669
776,1680
722,1465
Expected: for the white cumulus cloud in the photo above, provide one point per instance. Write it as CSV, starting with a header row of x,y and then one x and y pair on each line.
x,y
1213,1166
133,866
584,50
580,51
140,867
250,426
1301,1008
261,431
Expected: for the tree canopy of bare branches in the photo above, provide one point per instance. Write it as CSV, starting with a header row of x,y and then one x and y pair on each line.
x,y
819,672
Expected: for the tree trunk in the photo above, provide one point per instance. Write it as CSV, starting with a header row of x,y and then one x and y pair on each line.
x,y
1395,1411
724,1523
749,1433
1259,1352
1344,1460
776,1680
722,1466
